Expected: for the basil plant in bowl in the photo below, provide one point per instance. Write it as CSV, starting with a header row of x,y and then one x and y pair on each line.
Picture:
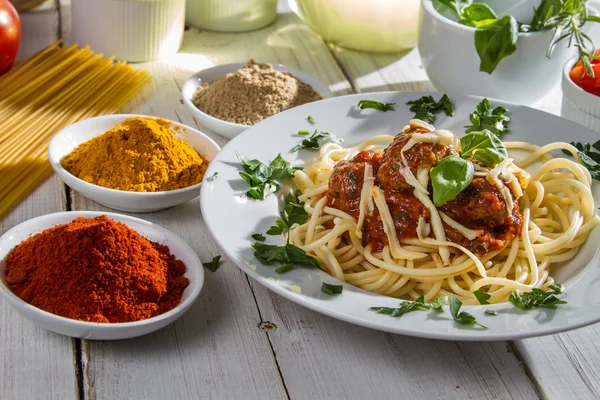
x,y
508,49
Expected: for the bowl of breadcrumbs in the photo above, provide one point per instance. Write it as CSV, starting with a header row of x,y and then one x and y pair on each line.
x,y
230,98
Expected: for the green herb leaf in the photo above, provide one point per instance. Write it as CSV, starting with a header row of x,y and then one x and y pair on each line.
x,y
376,105
331,290
269,254
213,265
405,307
491,312
484,118
212,177
313,143
310,119
546,10
537,298
284,268
258,237
426,107
478,15
496,41
462,317
279,228
263,179
484,147
590,157
438,303
304,133
281,169
482,297
450,177
457,6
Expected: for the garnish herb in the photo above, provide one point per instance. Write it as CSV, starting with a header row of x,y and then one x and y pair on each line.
x,y
293,213
303,133
590,157
462,317
284,268
269,254
264,179
405,307
312,143
537,298
376,105
213,265
438,303
452,175
331,289
426,107
491,312
484,147
482,297
310,119
496,41
486,118
258,237
212,177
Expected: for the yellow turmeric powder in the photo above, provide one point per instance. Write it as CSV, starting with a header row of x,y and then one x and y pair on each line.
x,y
141,155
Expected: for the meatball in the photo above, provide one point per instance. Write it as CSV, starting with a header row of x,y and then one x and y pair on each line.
x,y
346,181
421,155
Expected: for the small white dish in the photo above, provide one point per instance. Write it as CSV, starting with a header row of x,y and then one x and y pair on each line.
x,y
229,129
577,104
92,330
451,61
67,139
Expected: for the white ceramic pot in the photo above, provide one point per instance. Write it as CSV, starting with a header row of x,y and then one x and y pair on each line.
x,y
448,54
577,104
130,30
230,15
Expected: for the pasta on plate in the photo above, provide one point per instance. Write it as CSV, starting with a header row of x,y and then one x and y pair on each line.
x,y
427,214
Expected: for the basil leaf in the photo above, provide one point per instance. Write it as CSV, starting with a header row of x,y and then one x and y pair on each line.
x,y
449,178
213,265
482,297
495,42
258,237
478,15
455,5
483,146
331,290
376,105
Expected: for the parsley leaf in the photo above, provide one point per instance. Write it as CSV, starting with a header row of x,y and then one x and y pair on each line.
x,y
491,312
292,213
212,177
438,303
310,119
590,157
484,117
258,237
269,254
312,143
376,105
462,317
405,307
426,107
213,265
537,298
284,268
279,227
264,179
331,290
482,297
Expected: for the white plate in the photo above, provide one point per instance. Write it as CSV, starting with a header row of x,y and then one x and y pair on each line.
x,y
67,139
231,218
101,331
229,129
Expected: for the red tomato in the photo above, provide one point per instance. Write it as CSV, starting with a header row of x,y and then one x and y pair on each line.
x,y
584,81
10,35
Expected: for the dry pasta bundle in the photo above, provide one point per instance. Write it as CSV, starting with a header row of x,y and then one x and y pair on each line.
x,y
54,88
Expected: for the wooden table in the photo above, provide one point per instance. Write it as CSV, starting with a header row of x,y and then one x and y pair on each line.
x,y
241,341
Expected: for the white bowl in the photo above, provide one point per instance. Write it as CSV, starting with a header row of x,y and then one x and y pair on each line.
x,y
577,104
448,54
67,139
92,330
229,129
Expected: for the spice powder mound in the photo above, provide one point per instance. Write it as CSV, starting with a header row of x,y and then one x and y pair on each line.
x,y
97,270
252,94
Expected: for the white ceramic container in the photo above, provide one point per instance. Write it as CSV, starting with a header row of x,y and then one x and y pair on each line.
x,y
67,139
448,54
92,330
229,129
130,30
230,15
577,104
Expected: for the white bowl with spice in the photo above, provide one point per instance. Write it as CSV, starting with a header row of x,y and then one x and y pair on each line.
x,y
96,330
230,98
132,179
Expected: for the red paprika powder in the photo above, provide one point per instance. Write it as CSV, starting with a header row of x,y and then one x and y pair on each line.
x,y
96,269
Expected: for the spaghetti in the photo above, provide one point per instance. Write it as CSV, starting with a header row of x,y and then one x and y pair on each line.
x,y
551,214
54,88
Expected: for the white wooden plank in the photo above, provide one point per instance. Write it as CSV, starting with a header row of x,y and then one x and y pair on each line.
x,y
34,362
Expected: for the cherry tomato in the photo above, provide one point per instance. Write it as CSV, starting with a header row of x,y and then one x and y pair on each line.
x,y
10,35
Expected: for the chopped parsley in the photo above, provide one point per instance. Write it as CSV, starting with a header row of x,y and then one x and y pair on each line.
x,y
269,254
537,298
484,117
482,297
491,312
331,290
258,237
213,265
284,268
438,303
313,143
376,105
293,213
461,317
426,108
265,179
212,177
310,119
590,157
405,307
